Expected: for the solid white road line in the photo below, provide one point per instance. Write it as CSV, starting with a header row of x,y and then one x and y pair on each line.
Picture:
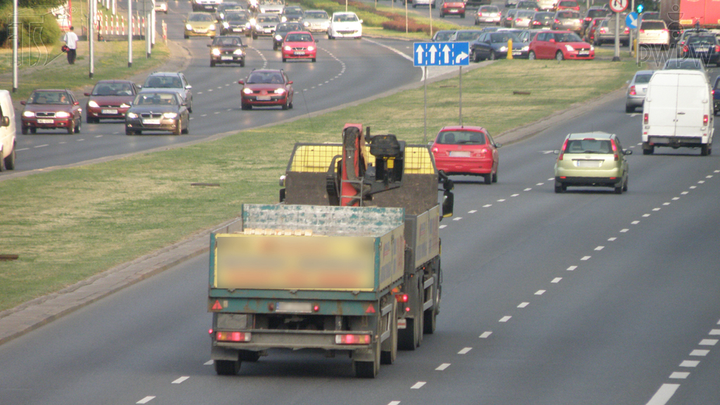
x,y
663,395
180,380
485,335
145,400
465,350
418,385
442,367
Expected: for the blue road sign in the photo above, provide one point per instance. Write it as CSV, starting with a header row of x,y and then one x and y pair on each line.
x,y
631,20
441,54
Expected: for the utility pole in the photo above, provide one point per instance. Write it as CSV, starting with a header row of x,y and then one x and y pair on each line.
x,y
91,34
15,46
130,33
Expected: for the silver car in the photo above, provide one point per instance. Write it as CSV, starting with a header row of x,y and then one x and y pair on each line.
x,y
637,87
316,20
522,18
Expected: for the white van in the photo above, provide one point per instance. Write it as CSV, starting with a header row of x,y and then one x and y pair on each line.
x,y
678,111
7,132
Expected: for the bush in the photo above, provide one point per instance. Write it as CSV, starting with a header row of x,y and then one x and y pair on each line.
x,y
36,27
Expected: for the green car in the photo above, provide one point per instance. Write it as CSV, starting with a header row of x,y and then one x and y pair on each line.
x,y
592,159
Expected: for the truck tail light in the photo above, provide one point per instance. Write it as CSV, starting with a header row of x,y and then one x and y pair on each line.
x,y
645,118
402,298
350,339
632,90
233,336
706,119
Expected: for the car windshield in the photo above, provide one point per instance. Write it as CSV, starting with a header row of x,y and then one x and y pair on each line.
x,y
268,18
112,89
166,82
227,42
683,64
345,18
155,99
568,4
567,37
292,10
717,84
643,78
285,27
236,17
467,35
503,37
461,138
49,97
702,40
525,14
298,38
588,146
443,35
316,15
265,77
652,25
201,17
596,13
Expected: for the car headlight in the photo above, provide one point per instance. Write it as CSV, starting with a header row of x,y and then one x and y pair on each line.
x,y
28,114
253,21
569,48
503,49
124,105
279,91
305,23
132,115
238,52
311,48
216,52
170,115
283,19
188,27
525,48
222,15
62,114
288,48
247,91
92,103
278,37
262,10
248,25
226,25
212,27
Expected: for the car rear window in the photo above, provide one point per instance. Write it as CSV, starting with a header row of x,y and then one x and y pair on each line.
x,y
461,138
652,25
596,13
568,4
489,9
568,14
683,64
645,78
588,146
702,40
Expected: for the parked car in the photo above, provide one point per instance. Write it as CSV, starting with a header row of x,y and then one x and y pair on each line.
x,y
494,45
449,7
637,87
227,49
265,25
292,14
236,23
266,87
559,45
282,30
345,25
175,81
522,18
704,47
542,20
200,24
567,20
157,110
524,37
653,33
299,45
466,150
592,13
51,109
109,99
592,159
443,35
605,33
487,14
316,21
8,137
568,5
716,95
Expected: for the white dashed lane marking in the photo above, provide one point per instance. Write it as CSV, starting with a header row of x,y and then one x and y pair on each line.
x,y
556,280
180,380
663,395
689,363
145,400
485,335
41,146
677,375
465,350
418,385
708,342
585,258
699,353
442,367
571,268
505,318
523,304
539,292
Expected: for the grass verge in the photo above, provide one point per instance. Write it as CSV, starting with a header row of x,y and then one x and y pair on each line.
x,y
69,224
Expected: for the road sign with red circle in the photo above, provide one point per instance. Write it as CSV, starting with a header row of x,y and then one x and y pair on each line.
x,y
618,6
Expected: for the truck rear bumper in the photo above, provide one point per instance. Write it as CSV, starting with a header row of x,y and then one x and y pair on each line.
x,y
677,141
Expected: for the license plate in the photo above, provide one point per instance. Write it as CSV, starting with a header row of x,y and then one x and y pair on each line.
x,y
588,163
584,53
237,30
263,98
517,52
45,121
299,53
702,49
268,30
109,111
151,122
201,31
460,153
226,58
294,307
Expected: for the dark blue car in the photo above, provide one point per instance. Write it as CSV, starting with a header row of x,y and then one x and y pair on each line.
x,y
716,94
705,47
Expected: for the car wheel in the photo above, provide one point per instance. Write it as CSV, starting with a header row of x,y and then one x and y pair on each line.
x,y
33,130
242,63
559,187
9,161
138,132
442,15
494,177
71,128
488,178
77,126
186,37
190,107
629,108
493,56
477,23
462,15
187,128
129,131
254,36
559,55
619,188
286,105
475,57
24,130
647,149
625,186
531,55
314,60
274,47
290,105
212,64
178,127
284,59
704,150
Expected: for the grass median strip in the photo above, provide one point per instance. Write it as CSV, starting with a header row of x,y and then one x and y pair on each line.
x,y
69,224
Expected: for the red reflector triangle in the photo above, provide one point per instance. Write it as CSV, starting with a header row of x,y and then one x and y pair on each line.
x,y
216,306
370,309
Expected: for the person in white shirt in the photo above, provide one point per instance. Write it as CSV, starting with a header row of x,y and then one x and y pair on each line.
x,y
71,40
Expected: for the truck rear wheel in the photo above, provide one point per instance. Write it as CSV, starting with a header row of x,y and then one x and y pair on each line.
x,y
370,369
704,150
227,367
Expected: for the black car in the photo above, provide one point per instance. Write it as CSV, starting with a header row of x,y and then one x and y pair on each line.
x,y
716,95
227,49
542,19
292,14
282,30
703,46
236,23
157,111
494,45
227,7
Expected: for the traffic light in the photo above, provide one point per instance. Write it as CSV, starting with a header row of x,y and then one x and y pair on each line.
x,y
640,8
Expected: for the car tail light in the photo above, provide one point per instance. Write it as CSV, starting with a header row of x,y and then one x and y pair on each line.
x,y
562,151
645,118
627,30
603,30
557,21
632,90
350,339
642,31
717,48
588,19
233,336
685,49
706,119
665,31
518,19
615,150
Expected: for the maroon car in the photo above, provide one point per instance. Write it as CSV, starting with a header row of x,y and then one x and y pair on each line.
x,y
109,99
266,87
51,109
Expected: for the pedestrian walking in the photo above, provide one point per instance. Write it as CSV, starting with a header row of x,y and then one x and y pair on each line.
x,y
71,40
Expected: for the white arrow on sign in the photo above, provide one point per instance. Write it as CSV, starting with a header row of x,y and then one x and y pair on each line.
x,y
460,57
632,20
446,51
432,51
420,53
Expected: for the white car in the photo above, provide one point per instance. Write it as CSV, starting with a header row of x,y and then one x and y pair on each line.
x,y
161,6
345,25
7,132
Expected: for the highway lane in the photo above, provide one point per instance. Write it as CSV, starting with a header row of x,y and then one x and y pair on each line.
x,y
581,298
346,70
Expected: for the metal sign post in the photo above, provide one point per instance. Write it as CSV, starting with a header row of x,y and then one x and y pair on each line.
x,y
130,33
617,6
91,33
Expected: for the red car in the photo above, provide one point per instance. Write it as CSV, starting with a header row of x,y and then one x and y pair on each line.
x,y
266,87
51,109
559,45
109,99
452,8
299,45
568,5
466,150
